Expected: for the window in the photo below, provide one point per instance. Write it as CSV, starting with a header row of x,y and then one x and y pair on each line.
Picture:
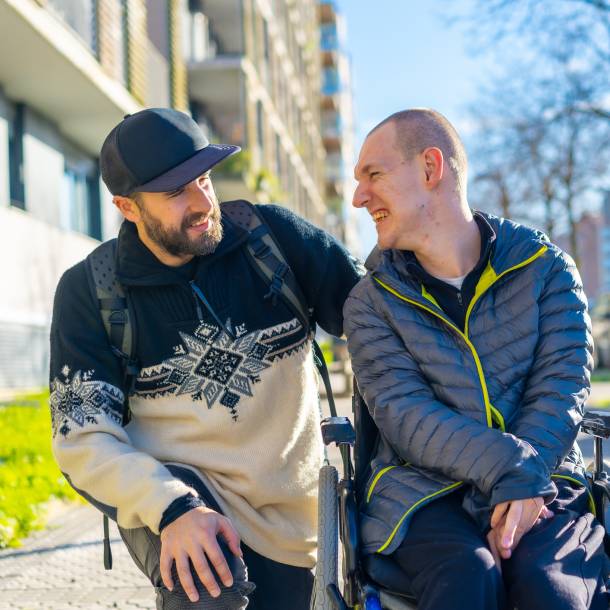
x,y
81,201
15,158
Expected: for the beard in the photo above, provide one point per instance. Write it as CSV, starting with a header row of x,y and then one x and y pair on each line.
x,y
178,242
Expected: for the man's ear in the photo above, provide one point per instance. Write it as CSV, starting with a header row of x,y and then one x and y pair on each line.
x,y
128,207
434,166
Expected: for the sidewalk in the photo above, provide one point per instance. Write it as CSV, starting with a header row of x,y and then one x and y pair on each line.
x,y
61,568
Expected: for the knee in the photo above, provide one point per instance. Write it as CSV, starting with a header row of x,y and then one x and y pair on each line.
x,y
234,597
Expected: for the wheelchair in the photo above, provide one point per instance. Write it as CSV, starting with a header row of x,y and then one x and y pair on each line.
x,y
375,582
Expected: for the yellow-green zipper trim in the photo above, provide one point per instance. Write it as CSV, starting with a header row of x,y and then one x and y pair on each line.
x,y
378,476
436,493
580,484
459,332
376,479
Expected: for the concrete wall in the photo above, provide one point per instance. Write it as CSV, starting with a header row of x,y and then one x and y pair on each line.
x,y
34,255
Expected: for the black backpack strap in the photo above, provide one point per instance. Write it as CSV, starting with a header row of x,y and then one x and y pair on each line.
x,y
267,258
115,310
117,317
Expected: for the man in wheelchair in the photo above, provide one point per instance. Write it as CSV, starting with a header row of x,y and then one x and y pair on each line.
x,y
471,344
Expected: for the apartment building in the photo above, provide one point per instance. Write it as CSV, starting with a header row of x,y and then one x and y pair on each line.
x,y
254,74
336,109
247,70
69,71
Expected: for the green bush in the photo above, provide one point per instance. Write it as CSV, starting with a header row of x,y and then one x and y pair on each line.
x,y
29,476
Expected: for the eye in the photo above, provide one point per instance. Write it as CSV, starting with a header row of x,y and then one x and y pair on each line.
x,y
204,177
175,193
373,174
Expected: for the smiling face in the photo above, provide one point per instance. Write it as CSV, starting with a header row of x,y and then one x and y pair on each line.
x,y
178,225
392,189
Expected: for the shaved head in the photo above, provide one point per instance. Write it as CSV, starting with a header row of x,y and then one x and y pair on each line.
x,y
421,128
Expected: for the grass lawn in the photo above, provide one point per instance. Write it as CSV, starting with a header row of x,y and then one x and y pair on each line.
x,y
29,476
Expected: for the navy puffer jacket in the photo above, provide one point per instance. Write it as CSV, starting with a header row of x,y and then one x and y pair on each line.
x,y
495,406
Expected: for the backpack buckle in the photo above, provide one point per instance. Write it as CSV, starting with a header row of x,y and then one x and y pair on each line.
x,y
118,316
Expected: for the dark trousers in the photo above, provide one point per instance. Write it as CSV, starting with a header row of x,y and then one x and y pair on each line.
x,y
258,582
559,564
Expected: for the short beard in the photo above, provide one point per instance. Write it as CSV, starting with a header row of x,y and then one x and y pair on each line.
x,y
177,241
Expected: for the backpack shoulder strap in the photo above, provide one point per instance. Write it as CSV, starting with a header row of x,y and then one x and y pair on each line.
x,y
268,259
113,303
109,295
114,306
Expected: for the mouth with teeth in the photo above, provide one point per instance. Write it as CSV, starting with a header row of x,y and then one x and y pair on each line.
x,y
379,216
201,225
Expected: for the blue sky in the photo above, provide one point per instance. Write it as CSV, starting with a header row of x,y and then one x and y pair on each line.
x,y
404,54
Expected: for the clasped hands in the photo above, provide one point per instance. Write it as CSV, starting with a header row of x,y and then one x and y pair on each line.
x,y
510,521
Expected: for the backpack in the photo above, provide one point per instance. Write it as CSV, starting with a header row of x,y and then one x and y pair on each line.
x,y
116,310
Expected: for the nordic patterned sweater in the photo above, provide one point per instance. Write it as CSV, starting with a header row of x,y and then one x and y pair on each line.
x,y
242,412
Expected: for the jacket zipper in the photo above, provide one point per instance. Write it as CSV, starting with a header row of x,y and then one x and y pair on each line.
x,y
488,279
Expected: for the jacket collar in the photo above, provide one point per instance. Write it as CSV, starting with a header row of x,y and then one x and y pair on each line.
x,y
512,244
138,266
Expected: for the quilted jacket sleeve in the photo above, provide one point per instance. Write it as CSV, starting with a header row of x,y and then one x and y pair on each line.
x,y
421,429
90,444
559,382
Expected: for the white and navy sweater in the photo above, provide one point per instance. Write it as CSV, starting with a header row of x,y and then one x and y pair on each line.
x,y
240,408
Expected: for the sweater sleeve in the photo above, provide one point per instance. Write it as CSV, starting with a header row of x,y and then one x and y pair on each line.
x,y
87,400
324,269
558,383
421,429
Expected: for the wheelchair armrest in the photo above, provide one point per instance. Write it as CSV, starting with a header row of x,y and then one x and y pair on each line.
x,y
596,423
338,430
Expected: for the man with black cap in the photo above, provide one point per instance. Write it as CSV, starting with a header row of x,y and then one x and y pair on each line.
x,y
222,443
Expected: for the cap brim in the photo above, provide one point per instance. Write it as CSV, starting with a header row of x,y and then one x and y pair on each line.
x,y
189,170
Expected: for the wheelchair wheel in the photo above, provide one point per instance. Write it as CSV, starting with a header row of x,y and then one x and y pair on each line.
x,y
328,534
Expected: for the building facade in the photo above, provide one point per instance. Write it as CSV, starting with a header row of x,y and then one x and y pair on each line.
x,y
336,110
69,71
253,74
248,71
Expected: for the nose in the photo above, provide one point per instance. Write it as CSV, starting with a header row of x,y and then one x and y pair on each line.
x,y
361,197
201,199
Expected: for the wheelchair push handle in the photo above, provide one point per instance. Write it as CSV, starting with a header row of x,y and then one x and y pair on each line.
x,y
338,430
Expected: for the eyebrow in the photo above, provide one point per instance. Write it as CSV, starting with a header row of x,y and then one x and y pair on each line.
x,y
365,170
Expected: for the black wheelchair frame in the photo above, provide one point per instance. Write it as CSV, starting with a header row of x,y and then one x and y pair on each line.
x,y
338,511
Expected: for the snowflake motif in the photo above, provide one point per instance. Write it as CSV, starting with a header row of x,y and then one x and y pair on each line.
x,y
213,367
80,401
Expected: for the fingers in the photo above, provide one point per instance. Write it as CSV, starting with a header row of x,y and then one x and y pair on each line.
x,y
493,547
204,573
546,513
229,533
165,563
498,513
186,578
217,559
513,518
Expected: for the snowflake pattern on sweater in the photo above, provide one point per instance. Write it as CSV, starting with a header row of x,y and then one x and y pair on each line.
x,y
80,400
213,366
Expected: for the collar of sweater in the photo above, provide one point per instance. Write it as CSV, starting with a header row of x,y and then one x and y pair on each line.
x,y
138,266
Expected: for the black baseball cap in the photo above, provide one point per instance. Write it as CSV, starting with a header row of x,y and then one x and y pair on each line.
x,y
157,150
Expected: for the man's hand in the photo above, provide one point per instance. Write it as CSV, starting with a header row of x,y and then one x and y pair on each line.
x,y
510,521
193,536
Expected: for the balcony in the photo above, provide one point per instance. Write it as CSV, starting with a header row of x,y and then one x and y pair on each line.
x,y
49,67
225,20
